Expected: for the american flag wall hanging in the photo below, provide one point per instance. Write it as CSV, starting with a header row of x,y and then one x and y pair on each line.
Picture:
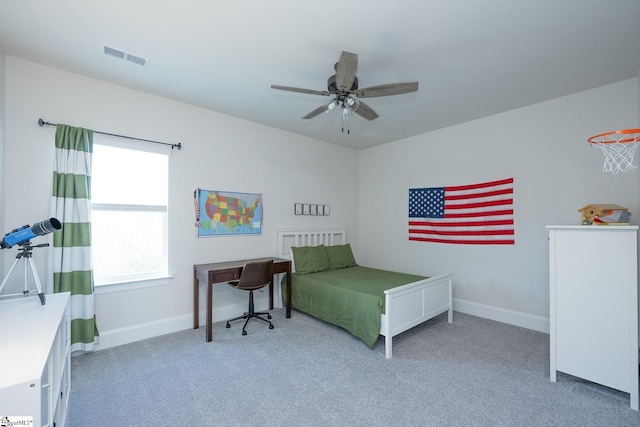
x,y
465,214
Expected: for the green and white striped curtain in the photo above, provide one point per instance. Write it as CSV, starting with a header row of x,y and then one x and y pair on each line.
x,y
71,205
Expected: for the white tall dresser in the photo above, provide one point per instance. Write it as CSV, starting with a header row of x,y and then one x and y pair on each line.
x,y
594,305
35,369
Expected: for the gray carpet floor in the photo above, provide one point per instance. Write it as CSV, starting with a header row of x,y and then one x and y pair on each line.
x,y
474,372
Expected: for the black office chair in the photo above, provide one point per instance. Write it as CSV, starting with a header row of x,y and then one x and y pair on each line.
x,y
255,275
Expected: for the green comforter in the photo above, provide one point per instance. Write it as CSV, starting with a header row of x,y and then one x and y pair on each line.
x,y
352,298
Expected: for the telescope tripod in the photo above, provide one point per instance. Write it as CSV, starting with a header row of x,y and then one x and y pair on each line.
x,y
24,252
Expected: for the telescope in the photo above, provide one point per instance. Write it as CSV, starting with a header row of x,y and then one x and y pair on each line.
x,y
26,233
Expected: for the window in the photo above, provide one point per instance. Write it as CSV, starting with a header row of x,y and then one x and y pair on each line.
x,y
129,197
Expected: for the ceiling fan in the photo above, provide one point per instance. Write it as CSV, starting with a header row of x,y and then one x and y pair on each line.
x,y
343,86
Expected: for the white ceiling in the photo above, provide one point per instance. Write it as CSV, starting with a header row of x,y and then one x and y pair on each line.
x,y
472,58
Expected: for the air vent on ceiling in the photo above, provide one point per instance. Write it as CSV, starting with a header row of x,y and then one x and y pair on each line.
x,y
129,57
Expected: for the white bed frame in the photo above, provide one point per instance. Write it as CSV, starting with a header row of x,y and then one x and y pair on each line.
x,y
406,306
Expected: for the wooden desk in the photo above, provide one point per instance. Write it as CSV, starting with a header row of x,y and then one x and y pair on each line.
x,y
218,272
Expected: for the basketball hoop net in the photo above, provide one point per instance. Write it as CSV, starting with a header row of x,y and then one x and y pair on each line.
x,y
619,149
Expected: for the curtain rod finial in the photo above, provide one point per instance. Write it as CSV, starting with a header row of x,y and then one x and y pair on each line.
x,y
42,123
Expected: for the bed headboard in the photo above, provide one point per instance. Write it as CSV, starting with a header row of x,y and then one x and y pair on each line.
x,y
289,238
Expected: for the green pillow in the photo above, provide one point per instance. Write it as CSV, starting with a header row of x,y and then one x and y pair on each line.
x,y
310,259
340,256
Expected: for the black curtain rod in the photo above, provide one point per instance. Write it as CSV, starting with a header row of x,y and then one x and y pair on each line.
x,y
178,145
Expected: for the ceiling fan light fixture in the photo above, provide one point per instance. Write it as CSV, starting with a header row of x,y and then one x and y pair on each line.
x,y
353,103
345,112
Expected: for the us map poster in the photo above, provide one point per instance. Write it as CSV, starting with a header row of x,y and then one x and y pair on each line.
x,y
224,213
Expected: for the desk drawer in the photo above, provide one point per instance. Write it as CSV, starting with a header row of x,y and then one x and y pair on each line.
x,y
225,275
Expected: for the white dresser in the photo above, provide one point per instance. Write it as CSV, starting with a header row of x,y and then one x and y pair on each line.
x,y
35,361
594,305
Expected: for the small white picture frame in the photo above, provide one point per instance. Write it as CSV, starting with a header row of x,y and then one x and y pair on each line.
x,y
314,209
320,209
297,208
326,210
305,209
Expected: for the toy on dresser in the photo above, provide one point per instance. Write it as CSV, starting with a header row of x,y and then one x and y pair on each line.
x,y
605,214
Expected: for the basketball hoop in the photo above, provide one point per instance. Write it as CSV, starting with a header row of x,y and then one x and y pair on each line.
x,y
619,149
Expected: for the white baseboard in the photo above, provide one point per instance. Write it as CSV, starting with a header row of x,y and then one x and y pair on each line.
x,y
141,331
129,334
516,318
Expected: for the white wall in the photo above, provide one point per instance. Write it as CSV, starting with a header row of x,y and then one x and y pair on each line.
x,y
544,148
219,153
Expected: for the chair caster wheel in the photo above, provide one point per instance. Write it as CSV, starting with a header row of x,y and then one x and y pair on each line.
x,y
228,325
244,332
268,316
270,326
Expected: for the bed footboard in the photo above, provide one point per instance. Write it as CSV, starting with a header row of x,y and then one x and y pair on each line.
x,y
412,304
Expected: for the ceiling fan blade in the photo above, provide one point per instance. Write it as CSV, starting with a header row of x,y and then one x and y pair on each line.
x,y
346,70
300,90
386,90
321,109
366,112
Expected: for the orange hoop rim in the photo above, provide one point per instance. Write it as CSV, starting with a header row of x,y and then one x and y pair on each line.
x,y
631,135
